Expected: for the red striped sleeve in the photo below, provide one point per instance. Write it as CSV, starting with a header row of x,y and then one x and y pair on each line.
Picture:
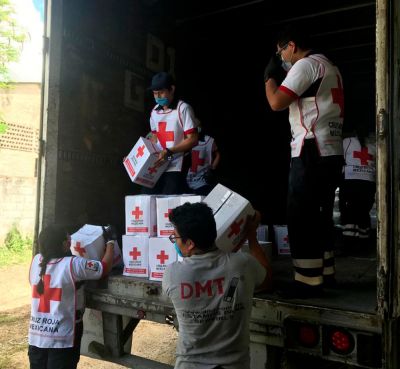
x,y
288,91
189,131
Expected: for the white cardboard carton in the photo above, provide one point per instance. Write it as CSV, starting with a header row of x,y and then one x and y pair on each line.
x,y
164,207
161,253
135,250
230,212
88,242
139,163
282,239
262,233
140,215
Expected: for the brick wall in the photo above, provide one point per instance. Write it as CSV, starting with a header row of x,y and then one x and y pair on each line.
x,y
20,109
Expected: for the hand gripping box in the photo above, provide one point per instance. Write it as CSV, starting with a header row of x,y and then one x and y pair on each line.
x,y
140,163
88,242
164,207
282,239
161,253
140,215
230,212
135,251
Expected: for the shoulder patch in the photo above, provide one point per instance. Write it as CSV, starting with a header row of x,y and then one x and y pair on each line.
x,y
92,265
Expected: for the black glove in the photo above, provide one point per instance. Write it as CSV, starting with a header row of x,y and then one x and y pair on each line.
x,y
274,70
109,233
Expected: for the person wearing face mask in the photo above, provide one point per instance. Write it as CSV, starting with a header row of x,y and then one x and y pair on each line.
x,y
174,129
313,91
212,291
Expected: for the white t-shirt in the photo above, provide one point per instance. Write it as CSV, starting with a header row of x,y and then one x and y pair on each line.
x,y
212,296
317,111
171,126
53,313
360,161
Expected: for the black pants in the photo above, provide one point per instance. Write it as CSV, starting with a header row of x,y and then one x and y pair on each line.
x,y
312,183
170,183
58,358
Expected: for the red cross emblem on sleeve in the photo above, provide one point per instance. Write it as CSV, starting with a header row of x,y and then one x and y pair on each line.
x,y
235,228
49,294
196,160
166,215
140,151
135,253
363,155
162,257
337,96
163,135
137,212
80,250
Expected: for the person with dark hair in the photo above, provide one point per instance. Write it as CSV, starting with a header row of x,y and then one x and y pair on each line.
x,y
212,291
174,129
313,91
201,177
56,327
357,191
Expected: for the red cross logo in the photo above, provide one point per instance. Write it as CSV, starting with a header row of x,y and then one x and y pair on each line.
x,y
162,256
140,151
235,228
90,264
152,170
163,135
166,215
137,212
286,239
49,294
337,96
196,161
80,250
363,156
135,253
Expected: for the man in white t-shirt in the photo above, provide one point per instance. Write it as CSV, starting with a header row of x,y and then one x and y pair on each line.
x,y
313,91
212,291
174,129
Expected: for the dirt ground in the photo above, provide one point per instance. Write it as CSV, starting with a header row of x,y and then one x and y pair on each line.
x,y
151,340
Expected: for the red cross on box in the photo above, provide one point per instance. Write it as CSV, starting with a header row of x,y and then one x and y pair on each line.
x,y
163,135
286,239
196,161
363,155
152,170
337,96
162,257
80,250
235,228
49,294
140,151
135,253
166,215
137,212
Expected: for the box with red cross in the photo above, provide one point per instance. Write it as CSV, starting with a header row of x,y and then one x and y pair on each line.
x,y
165,206
88,242
140,215
230,212
139,163
282,239
135,251
161,253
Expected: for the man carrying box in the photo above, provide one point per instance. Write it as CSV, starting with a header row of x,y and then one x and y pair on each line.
x,y
212,291
173,127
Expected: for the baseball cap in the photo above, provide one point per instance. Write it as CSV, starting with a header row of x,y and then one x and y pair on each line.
x,y
161,80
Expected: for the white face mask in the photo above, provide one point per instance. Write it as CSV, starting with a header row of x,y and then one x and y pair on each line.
x,y
287,65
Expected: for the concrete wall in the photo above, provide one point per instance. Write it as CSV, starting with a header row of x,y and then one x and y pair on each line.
x,y
20,109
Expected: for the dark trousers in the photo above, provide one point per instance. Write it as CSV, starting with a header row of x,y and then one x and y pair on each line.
x,y
312,183
170,183
57,358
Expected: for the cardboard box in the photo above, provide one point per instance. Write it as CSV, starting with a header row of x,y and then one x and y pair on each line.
x,y
88,242
262,233
140,215
230,212
139,163
161,253
135,251
165,206
265,245
282,239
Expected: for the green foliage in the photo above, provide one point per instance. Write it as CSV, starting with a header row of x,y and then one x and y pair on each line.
x,y
3,127
11,40
15,241
17,249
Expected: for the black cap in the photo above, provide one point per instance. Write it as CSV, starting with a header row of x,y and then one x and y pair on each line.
x,y
160,81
